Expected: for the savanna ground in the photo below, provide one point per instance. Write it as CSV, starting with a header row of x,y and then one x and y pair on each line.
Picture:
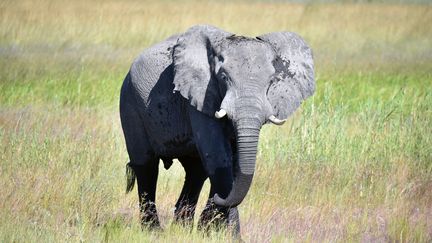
x,y
353,164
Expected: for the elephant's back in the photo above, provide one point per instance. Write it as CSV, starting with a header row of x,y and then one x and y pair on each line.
x,y
153,68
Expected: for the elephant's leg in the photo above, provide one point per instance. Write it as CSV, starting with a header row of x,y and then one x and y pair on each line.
x,y
143,165
215,150
195,177
146,176
213,216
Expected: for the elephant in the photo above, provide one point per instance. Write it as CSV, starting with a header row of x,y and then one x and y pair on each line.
x,y
202,97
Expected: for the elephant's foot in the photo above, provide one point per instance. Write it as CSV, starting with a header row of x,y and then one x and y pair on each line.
x,y
212,217
184,215
217,218
149,217
150,224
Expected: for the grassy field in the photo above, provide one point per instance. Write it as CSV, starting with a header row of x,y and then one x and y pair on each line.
x,y
354,164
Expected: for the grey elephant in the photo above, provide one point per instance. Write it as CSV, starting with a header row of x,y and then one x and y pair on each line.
x,y
202,97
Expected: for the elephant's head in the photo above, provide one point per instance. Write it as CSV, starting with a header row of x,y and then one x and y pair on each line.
x,y
250,81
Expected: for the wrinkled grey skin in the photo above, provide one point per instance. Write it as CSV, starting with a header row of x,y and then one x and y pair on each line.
x,y
168,103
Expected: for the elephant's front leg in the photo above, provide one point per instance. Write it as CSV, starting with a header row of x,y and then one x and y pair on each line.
x,y
213,215
216,154
195,177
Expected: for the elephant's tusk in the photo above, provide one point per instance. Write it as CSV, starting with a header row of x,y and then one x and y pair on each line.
x,y
276,121
219,114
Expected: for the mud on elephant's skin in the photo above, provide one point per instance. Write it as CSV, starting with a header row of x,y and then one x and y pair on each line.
x,y
202,97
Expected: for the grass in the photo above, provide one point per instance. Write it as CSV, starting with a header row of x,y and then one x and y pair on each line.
x,y
353,164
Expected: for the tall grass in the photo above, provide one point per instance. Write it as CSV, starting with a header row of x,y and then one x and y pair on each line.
x,y
353,164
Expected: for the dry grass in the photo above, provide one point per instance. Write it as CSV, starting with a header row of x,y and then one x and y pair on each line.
x,y
354,164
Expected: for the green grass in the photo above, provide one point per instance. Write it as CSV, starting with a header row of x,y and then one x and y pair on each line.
x,y
353,164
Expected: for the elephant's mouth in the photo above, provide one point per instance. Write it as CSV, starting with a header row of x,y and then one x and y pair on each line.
x,y
272,118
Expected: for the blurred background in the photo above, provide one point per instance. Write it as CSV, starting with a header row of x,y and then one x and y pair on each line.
x,y
353,164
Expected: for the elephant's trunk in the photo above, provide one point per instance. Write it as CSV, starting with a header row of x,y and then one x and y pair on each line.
x,y
248,130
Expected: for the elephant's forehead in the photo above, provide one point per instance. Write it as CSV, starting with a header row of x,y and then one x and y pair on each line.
x,y
252,52
250,58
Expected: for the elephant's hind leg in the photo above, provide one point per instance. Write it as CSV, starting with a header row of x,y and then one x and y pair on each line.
x,y
143,165
144,168
146,176
195,177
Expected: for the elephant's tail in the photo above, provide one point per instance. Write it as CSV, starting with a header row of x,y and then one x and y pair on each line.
x,y
130,178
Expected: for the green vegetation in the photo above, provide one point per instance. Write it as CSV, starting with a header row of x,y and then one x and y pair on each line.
x,y
354,164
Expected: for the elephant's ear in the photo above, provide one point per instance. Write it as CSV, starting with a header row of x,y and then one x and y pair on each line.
x,y
193,57
294,78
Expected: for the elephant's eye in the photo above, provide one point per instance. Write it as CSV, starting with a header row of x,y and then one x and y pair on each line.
x,y
223,77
